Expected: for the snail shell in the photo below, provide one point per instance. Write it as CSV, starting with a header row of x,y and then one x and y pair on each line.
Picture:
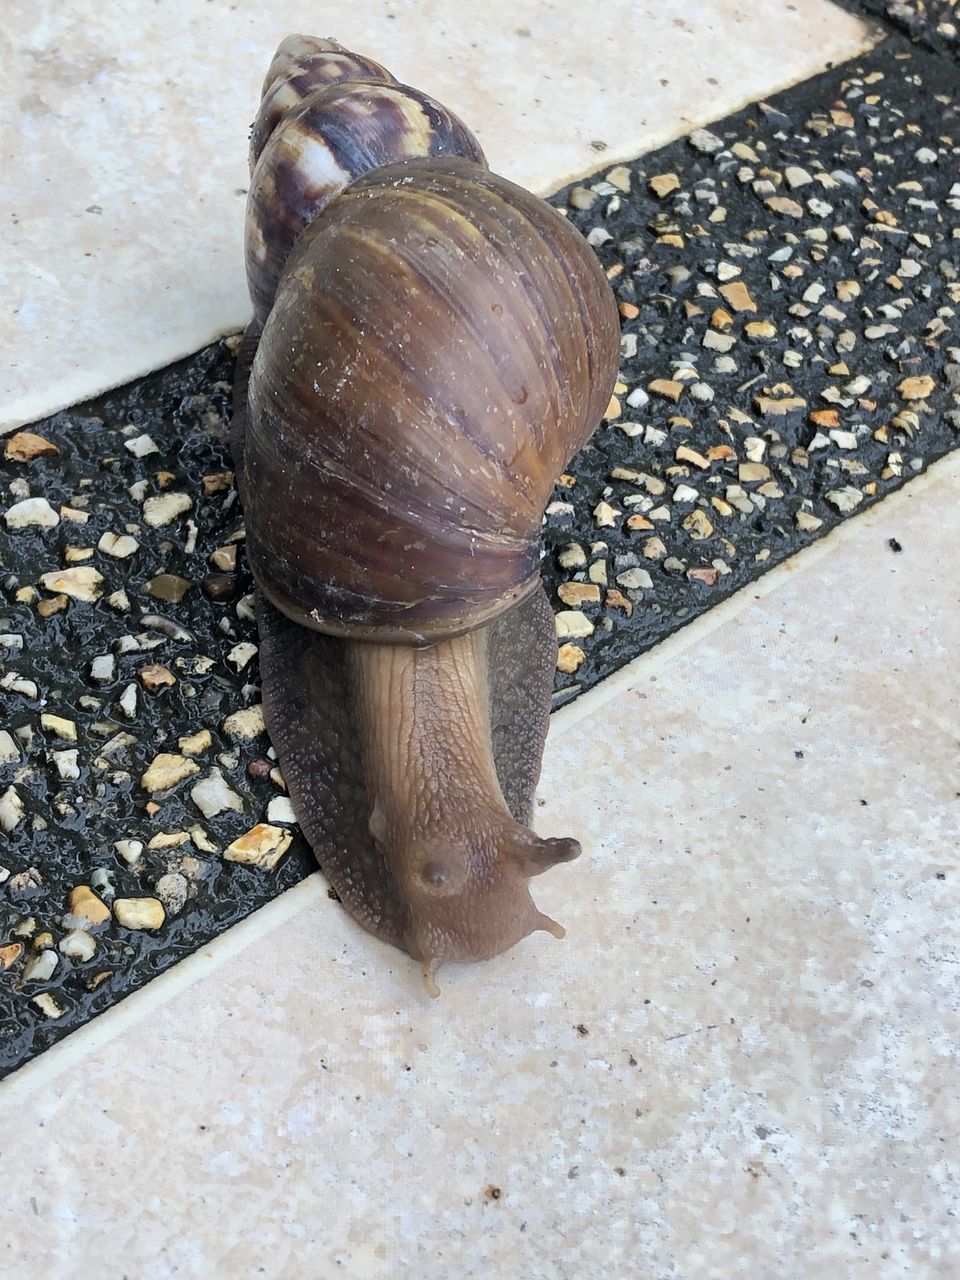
x,y
328,116
438,349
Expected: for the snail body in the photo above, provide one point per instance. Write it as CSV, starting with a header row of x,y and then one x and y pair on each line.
x,y
431,345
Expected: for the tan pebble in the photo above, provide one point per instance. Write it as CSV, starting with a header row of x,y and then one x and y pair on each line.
x,y
654,548
750,472
65,729
629,310
153,676
225,558
569,658
47,608
771,407
168,587
84,902
12,952
783,204
620,178
916,388
217,482
613,410
79,584
806,522
760,330
708,576
639,523
722,452
262,846
139,913
605,516
663,183
826,418
721,320
24,446
698,525
737,295
194,744
686,454
615,599
666,388
166,770
578,593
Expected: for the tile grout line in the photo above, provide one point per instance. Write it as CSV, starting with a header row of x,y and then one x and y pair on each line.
x,y
25,1080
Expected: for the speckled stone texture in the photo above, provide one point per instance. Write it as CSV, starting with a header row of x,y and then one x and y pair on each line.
x,y
741,1061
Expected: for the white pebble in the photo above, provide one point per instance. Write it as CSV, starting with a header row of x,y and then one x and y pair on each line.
x,y
280,810
32,511
40,967
9,751
129,850
212,795
165,507
141,446
119,545
128,701
12,811
66,763
103,667
78,945
241,654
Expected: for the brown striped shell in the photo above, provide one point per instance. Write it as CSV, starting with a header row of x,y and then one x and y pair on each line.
x,y
326,117
441,343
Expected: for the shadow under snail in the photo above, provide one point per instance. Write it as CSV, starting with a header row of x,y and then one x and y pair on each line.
x,y
431,345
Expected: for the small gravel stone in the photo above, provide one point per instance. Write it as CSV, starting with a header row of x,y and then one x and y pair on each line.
x,y
698,525
12,811
168,587
103,668
578,593
139,913
737,295
570,657
572,556
262,846
40,967
212,795
195,744
129,850
807,522
81,583
65,763
164,508
916,388
846,499
705,141
166,770
59,725
25,446
154,676
141,446
796,177
663,183
280,810
84,904
245,724
31,511
635,580
9,751
128,701
120,546
171,889
573,623
78,945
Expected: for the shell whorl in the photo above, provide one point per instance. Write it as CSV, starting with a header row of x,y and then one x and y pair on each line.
x,y
326,117
441,344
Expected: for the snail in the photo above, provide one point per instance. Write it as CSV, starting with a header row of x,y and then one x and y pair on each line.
x,y
431,344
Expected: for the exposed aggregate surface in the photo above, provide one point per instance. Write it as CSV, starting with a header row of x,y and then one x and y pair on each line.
x,y
789,282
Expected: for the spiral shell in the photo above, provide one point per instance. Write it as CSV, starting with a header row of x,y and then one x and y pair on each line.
x,y
327,116
441,343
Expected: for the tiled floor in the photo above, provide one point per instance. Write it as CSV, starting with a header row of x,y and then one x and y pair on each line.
x,y
741,1060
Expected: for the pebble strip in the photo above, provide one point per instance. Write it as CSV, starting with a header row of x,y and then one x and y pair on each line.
x,y
789,291
789,288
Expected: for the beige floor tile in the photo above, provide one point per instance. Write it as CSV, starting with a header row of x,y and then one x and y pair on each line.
x,y
125,130
741,1061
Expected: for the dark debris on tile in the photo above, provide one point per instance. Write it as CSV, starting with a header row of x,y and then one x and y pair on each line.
x,y
788,281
